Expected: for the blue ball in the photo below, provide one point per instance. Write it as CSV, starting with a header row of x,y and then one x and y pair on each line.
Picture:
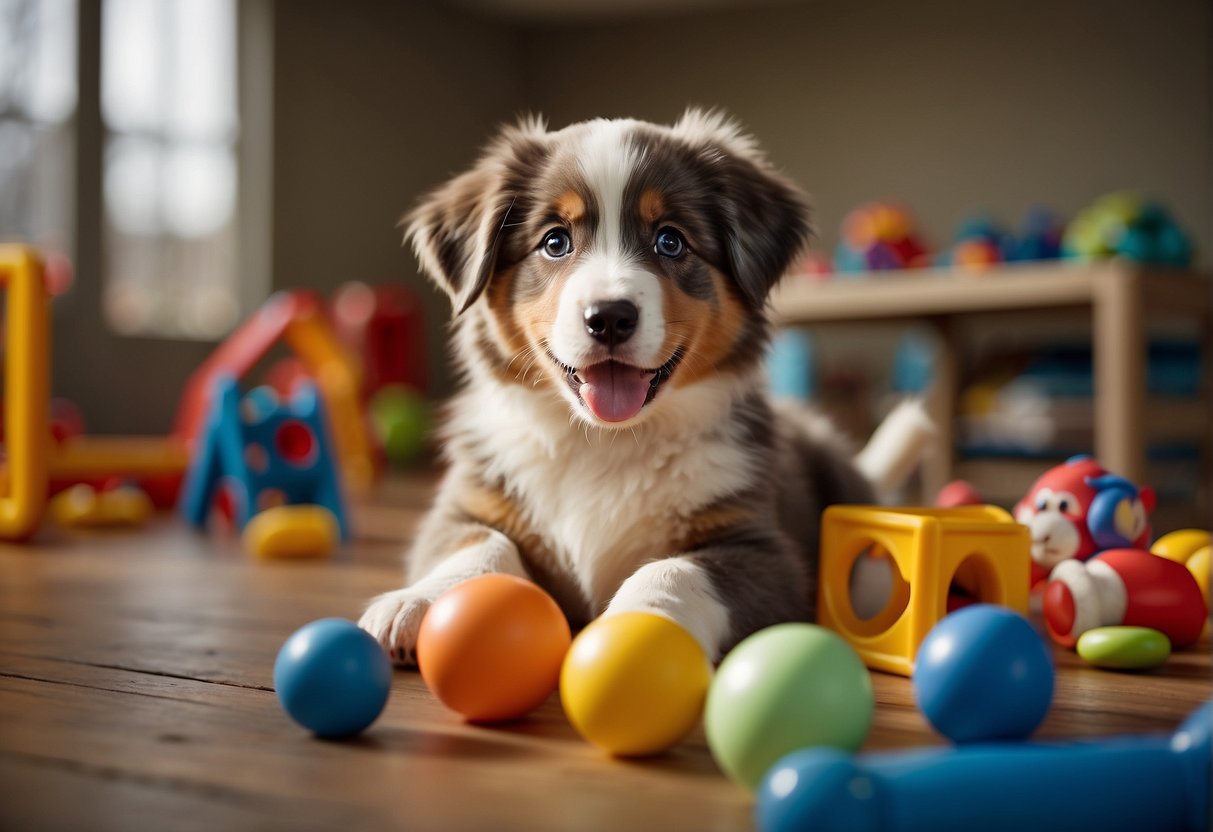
x,y
332,677
983,674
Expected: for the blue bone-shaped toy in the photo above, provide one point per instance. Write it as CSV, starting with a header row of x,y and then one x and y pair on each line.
x,y
1124,784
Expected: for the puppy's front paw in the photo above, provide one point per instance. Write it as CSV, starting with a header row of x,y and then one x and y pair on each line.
x,y
394,619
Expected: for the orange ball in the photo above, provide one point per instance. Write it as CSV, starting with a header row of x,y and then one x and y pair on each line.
x,y
491,647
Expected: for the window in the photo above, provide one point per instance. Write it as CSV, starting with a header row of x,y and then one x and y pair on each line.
x,y
37,114
169,109
169,123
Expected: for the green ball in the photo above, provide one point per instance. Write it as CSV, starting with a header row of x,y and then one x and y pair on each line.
x,y
785,688
401,421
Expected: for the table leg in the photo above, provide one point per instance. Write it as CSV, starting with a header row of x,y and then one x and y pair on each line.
x,y
1120,374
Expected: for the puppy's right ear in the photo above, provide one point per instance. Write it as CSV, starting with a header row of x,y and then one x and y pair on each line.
x,y
458,230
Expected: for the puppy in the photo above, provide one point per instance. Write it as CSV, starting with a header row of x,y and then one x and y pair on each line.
x,y
613,439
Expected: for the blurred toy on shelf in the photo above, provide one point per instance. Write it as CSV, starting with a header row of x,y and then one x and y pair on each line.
x,y
1077,509
1038,238
1040,403
1125,224
790,365
879,236
980,242
813,265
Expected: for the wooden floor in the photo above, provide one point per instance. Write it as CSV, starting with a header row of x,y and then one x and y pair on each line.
x,y
135,693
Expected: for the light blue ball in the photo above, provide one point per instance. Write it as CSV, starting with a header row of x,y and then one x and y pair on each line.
x,y
332,677
983,674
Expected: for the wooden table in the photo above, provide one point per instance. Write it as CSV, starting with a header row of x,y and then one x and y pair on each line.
x,y
1121,298
135,693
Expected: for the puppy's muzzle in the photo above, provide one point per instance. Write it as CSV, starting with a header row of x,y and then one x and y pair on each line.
x,y
611,322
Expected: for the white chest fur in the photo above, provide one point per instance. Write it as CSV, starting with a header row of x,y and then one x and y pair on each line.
x,y
606,501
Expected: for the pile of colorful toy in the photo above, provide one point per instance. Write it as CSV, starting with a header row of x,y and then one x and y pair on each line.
x,y
881,236
980,242
1127,225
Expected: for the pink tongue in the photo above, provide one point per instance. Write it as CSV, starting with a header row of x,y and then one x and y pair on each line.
x,y
614,392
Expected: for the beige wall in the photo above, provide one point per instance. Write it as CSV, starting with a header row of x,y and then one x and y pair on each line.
x,y
952,106
374,103
949,105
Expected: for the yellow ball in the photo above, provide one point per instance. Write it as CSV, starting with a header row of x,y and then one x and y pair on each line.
x,y
1198,565
634,683
1181,545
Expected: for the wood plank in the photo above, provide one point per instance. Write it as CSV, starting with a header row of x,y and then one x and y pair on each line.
x,y
924,293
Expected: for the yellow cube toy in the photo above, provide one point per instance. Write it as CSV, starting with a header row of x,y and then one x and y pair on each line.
x,y
981,548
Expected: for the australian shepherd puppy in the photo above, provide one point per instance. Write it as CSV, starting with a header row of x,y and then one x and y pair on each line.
x,y
613,439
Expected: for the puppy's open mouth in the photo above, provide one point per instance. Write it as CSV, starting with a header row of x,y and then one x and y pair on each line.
x,y
614,391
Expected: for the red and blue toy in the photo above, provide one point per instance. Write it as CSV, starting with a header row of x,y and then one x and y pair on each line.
x,y
263,453
1077,509
1124,587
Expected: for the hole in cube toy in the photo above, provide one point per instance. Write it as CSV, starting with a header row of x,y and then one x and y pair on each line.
x,y
974,582
296,444
878,592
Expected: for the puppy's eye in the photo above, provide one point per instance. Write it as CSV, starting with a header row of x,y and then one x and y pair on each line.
x,y
556,244
669,243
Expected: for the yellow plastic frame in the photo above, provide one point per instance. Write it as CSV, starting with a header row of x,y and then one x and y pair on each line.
x,y
981,547
33,459
23,488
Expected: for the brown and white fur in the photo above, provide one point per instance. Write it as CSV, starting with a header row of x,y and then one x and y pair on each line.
x,y
667,480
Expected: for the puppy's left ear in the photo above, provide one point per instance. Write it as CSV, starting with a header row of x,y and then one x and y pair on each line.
x,y
766,217
770,228
458,231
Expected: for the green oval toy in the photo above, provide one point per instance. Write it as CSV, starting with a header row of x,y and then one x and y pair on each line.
x,y
1124,648
787,687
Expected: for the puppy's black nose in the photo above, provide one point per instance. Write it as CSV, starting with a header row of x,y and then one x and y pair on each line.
x,y
611,322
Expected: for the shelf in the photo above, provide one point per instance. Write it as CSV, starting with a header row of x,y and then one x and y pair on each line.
x,y
925,293
1120,297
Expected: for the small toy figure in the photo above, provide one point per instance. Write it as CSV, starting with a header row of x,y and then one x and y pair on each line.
x,y
1128,587
1078,509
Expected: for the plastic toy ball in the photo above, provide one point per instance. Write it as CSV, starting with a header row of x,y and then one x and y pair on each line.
x,y
958,493
983,674
786,687
332,677
633,683
401,422
491,647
